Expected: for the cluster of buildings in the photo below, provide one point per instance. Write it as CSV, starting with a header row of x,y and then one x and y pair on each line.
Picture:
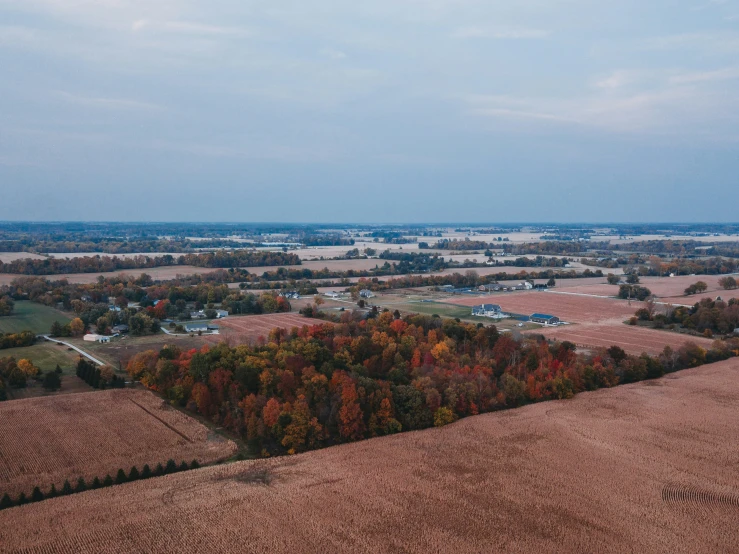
x,y
496,312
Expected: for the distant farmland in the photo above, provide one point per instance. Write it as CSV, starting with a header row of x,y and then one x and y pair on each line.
x,y
649,467
48,440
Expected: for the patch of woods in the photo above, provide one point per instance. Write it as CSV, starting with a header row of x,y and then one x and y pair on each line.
x,y
341,382
95,264
707,317
38,494
6,305
14,374
17,340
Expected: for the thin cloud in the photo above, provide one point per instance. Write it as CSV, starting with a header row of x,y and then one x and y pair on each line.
x,y
512,33
706,76
187,27
107,103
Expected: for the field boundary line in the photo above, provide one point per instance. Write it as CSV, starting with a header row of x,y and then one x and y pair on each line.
x,y
167,425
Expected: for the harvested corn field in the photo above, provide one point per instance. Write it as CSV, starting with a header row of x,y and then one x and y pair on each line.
x,y
45,441
634,340
248,329
649,467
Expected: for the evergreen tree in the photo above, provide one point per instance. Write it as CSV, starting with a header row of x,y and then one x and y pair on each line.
x,y
134,474
194,464
66,488
159,470
146,472
81,485
120,477
21,500
37,495
108,481
96,484
52,492
6,502
171,466
58,370
183,466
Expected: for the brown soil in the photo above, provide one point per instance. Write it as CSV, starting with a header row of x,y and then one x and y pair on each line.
x,y
247,329
49,439
646,468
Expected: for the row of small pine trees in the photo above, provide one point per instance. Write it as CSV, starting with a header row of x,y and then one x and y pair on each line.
x,y
134,475
90,374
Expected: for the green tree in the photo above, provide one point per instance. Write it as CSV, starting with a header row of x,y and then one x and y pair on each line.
x,y
81,485
134,474
108,481
66,488
6,502
146,472
171,466
37,495
52,382
443,416
120,477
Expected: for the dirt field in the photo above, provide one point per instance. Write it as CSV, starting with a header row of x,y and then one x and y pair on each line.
x,y
633,340
117,352
667,289
157,273
247,329
645,468
7,257
47,440
568,307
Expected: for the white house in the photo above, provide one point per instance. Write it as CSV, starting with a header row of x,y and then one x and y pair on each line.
x,y
221,313
365,293
487,310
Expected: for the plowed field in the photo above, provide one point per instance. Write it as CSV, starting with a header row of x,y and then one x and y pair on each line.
x,y
649,467
633,340
50,439
248,329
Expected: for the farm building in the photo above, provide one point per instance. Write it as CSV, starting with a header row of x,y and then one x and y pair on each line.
x,y
197,315
332,294
487,310
544,319
200,327
290,294
221,313
365,293
92,337
120,329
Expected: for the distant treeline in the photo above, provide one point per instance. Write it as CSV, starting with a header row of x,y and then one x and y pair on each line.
x,y
95,264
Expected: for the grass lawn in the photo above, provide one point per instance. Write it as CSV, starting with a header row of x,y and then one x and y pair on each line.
x,y
45,356
462,312
31,316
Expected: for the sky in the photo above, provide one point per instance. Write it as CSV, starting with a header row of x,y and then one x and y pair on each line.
x,y
380,111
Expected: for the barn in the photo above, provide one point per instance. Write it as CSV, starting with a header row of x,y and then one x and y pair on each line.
x,y
544,319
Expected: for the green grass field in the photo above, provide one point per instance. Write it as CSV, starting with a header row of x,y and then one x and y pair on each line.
x,y
45,356
30,316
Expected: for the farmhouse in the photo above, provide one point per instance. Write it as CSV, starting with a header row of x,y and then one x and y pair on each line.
x,y
487,310
544,319
197,315
120,329
332,294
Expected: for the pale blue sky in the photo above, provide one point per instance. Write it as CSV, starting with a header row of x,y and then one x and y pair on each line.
x,y
385,111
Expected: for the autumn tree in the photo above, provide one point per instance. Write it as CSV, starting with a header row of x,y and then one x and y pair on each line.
x,y
77,327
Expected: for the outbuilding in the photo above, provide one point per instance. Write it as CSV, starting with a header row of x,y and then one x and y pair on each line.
x,y
544,319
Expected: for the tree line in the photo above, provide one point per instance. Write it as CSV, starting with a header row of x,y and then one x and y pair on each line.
x,y
81,486
339,382
102,264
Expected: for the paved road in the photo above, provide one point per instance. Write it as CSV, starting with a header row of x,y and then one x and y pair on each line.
x,y
73,347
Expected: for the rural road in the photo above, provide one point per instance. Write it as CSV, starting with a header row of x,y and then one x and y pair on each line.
x,y
73,347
